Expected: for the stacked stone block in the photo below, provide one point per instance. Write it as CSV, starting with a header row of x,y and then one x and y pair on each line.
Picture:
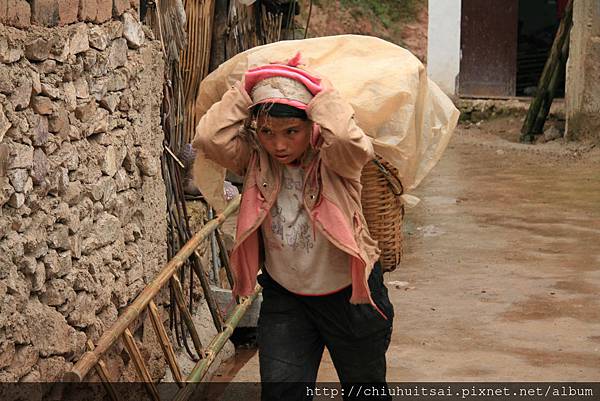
x,y
51,13
82,199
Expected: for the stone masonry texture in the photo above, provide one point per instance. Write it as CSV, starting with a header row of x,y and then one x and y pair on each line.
x,y
83,222
50,13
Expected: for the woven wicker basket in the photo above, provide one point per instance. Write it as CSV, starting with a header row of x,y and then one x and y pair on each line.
x,y
383,209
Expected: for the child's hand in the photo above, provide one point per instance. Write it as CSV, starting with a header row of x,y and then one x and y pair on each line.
x,y
242,85
325,83
327,94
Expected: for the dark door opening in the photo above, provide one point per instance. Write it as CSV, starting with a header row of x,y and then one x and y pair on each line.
x,y
504,46
538,23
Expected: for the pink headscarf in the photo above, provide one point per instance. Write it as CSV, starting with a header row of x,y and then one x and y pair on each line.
x,y
290,70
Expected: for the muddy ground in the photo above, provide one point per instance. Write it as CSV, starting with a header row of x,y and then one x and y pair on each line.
x,y
502,264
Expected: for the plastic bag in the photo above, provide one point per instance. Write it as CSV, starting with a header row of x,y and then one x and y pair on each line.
x,y
408,117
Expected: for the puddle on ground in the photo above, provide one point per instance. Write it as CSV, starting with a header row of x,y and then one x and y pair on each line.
x,y
522,224
549,306
576,287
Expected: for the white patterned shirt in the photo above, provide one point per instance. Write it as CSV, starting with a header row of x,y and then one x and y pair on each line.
x,y
297,255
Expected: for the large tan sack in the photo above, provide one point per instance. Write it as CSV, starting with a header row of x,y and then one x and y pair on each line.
x,y
409,118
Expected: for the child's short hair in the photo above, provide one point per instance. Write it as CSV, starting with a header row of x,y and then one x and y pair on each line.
x,y
279,110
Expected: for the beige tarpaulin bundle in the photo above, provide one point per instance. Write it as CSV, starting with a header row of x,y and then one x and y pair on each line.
x,y
409,118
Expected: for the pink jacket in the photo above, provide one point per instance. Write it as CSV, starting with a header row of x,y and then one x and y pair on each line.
x,y
332,188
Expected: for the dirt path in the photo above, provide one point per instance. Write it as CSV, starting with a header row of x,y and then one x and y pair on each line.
x,y
504,257
503,264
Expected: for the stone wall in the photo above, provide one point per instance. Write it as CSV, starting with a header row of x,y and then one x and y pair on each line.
x,y
82,199
50,13
583,73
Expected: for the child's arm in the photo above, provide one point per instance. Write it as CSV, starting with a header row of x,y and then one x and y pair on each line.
x,y
346,148
218,132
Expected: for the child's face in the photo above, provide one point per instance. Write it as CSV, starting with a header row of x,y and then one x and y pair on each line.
x,y
284,138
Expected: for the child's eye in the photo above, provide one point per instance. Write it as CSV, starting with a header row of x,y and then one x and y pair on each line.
x,y
265,132
292,131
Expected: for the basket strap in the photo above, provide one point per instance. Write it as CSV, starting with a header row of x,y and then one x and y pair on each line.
x,y
393,180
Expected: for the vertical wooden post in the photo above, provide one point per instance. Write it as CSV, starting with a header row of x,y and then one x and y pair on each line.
x,y
218,49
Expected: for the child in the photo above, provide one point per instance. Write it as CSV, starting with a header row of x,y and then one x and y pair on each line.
x,y
294,139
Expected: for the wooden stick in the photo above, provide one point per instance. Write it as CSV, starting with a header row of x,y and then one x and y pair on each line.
x,y
175,157
214,254
215,347
90,358
4,153
562,34
140,366
165,343
102,370
538,126
103,373
179,222
208,295
187,316
224,257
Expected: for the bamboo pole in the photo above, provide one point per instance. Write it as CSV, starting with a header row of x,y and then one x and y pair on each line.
x,y
165,343
208,295
103,373
90,358
216,265
196,57
177,220
562,34
225,257
538,126
140,366
215,347
219,34
186,315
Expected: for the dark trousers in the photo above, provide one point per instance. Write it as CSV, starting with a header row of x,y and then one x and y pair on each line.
x,y
294,329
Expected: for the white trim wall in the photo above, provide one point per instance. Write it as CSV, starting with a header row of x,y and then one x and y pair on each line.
x,y
443,48
583,86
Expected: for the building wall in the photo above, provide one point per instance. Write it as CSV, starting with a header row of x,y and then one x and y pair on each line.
x,y
583,72
82,198
443,50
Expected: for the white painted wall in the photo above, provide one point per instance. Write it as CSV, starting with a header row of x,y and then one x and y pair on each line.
x,y
583,86
443,49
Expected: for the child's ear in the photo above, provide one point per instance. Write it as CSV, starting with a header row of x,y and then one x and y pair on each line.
x,y
250,122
